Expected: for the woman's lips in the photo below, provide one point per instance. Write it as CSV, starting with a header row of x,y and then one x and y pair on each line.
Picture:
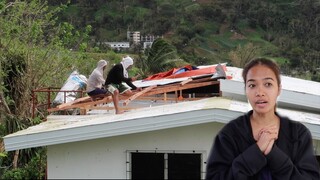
x,y
261,103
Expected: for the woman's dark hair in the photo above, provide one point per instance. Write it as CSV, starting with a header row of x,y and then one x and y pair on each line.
x,y
261,61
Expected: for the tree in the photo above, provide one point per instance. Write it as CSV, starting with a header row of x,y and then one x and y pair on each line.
x,y
34,53
243,54
160,57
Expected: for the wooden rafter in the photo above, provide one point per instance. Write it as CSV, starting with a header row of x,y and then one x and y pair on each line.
x,y
80,104
186,81
177,87
131,98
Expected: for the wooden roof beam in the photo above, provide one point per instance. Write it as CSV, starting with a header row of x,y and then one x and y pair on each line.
x,y
136,95
164,89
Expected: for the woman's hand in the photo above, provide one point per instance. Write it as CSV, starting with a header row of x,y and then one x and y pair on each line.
x,y
266,138
268,149
135,77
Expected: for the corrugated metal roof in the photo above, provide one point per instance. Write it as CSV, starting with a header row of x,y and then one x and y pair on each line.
x,y
63,129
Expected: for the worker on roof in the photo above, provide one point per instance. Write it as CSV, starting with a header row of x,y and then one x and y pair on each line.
x,y
118,80
95,87
95,82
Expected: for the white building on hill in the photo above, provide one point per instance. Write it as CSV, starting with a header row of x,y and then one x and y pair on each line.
x,y
118,45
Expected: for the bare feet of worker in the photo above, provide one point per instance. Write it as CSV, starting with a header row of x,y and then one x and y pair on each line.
x,y
119,112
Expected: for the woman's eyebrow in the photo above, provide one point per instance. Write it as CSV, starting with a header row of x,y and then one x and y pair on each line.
x,y
267,78
251,80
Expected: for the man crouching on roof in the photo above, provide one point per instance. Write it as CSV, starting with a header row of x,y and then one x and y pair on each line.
x,y
117,75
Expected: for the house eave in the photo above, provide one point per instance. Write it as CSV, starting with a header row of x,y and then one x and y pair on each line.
x,y
119,128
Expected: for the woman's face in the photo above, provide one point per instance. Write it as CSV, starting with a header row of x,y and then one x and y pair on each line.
x,y
262,89
129,67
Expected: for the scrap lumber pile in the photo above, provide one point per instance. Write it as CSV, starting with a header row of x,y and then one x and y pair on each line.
x,y
87,103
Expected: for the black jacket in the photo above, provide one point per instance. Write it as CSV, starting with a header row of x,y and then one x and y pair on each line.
x,y
235,154
115,76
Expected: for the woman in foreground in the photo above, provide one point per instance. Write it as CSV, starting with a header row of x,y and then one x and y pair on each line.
x,y
262,144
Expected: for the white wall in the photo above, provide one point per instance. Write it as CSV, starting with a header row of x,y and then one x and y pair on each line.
x,y
316,144
106,157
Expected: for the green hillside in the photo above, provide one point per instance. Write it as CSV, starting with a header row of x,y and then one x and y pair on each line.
x,y
206,31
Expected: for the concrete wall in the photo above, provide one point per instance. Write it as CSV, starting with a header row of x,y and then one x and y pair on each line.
x,y
106,157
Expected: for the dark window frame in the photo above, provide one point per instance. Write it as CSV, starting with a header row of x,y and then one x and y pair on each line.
x,y
202,158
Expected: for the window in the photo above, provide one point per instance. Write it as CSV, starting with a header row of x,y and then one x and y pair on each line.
x,y
164,165
147,165
184,166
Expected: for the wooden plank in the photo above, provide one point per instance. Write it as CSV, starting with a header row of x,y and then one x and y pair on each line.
x,y
106,99
180,98
185,81
131,98
84,111
202,80
164,89
1,146
53,109
84,104
79,100
109,108
165,97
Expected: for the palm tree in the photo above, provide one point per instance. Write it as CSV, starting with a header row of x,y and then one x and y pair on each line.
x,y
162,56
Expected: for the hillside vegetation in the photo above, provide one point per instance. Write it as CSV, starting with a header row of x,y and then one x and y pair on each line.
x,y
205,32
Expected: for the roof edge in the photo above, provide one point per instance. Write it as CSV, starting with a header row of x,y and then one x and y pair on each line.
x,y
119,128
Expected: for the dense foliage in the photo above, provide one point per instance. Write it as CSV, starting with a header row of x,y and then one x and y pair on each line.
x,y
33,54
206,31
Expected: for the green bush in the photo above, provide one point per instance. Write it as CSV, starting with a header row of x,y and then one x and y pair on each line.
x,y
18,173
34,169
